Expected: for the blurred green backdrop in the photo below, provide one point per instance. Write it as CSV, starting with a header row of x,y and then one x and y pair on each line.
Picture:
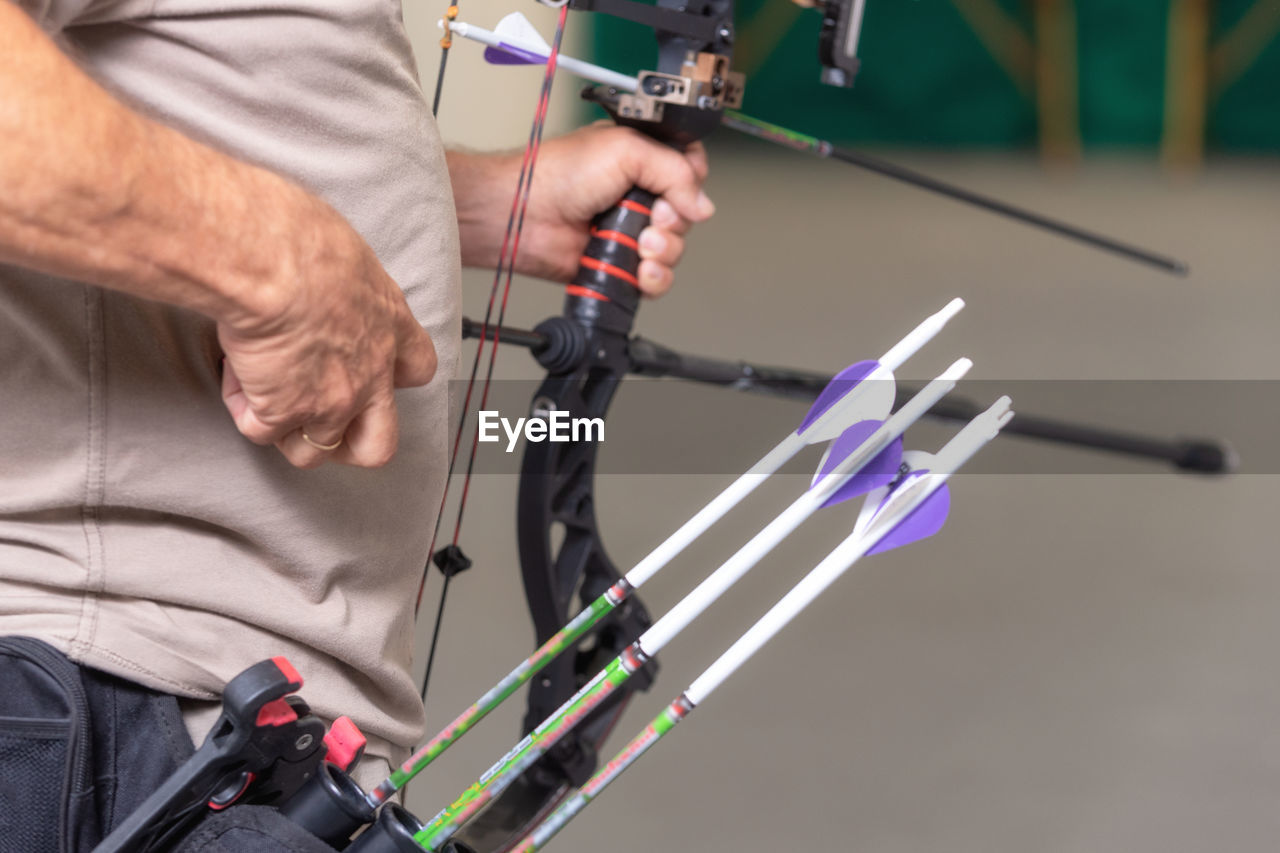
x,y
1066,75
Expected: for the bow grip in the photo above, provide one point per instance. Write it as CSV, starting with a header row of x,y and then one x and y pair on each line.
x,y
606,290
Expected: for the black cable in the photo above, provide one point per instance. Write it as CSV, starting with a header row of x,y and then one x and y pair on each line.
x,y
435,101
435,636
445,43
1028,217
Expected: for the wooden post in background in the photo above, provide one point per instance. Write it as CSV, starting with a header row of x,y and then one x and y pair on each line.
x,y
1186,85
1057,81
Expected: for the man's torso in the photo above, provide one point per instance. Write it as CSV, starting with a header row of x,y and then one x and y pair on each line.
x,y
139,531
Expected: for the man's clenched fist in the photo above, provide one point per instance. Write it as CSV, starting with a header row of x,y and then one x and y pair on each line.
x,y
316,364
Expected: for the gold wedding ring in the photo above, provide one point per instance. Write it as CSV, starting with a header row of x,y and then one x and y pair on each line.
x,y
318,446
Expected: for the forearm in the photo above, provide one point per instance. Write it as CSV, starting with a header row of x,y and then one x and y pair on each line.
x,y
91,190
483,185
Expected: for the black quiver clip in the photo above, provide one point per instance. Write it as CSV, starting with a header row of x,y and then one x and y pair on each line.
x,y
262,750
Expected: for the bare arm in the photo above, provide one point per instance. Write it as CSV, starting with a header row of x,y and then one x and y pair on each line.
x,y
316,333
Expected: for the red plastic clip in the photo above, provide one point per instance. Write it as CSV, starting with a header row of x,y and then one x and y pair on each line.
x,y
277,713
345,743
287,670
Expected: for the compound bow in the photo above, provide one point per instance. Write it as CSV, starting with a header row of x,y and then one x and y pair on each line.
x,y
589,349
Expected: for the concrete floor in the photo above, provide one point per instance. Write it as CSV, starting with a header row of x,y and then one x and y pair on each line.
x,y
1080,662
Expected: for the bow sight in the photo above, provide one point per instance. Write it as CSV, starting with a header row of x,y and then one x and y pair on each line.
x,y
684,28
694,88
682,100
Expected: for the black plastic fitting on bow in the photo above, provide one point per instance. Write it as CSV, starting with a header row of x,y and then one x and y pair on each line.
x,y
838,41
263,747
331,806
451,561
563,344
393,833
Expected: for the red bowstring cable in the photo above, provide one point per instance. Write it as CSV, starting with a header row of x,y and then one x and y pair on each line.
x,y
475,369
511,238
536,143
520,202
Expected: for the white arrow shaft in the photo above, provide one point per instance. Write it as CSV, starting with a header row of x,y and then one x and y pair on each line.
x,y
715,510
921,335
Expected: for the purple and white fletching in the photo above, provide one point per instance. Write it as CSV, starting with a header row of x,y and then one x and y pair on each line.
x,y
516,42
924,521
880,471
866,390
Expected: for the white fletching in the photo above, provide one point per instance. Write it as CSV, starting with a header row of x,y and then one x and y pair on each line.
x,y
871,397
876,391
515,28
914,460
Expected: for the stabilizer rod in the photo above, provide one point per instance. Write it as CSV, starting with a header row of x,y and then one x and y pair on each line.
x,y
1201,456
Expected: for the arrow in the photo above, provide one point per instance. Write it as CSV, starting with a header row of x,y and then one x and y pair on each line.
x,y
860,394
517,42
445,824
911,509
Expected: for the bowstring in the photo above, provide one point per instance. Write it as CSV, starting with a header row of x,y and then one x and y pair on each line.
x,y
510,240
446,42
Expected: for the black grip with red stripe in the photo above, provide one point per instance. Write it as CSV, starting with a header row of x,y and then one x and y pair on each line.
x,y
605,293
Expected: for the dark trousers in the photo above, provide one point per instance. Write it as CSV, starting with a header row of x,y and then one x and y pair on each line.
x,y
81,749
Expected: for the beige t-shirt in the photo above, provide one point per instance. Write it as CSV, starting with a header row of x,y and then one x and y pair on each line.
x,y
139,532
